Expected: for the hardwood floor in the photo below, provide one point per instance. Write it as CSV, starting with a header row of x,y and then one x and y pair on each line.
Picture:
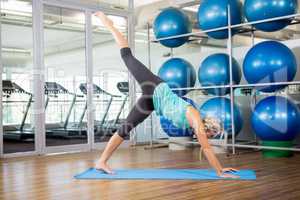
x,y
51,177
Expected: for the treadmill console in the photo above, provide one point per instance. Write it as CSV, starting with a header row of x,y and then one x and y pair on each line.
x,y
55,88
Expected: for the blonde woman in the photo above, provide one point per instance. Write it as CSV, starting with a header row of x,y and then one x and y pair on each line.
x,y
158,97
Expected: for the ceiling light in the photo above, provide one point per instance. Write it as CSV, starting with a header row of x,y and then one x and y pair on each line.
x,y
192,9
15,5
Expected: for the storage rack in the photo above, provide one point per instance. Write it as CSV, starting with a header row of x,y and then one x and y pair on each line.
x,y
232,86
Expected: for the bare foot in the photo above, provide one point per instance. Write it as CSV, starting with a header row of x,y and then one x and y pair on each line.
x,y
229,170
104,167
104,19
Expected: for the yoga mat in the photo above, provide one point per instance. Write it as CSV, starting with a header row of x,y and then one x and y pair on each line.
x,y
162,174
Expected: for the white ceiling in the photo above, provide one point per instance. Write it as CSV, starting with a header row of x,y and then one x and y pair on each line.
x,y
119,3
138,3
58,39
124,3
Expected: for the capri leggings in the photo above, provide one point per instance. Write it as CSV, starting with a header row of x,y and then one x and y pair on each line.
x,y
148,82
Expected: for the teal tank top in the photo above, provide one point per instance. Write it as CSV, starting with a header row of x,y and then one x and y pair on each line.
x,y
169,105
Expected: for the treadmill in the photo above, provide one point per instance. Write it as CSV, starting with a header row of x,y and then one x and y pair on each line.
x,y
53,89
110,126
97,91
20,134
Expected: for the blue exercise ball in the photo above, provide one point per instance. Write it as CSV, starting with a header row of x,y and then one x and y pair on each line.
x,y
178,73
264,9
215,71
276,118
213,14
173,131
220,108
270,62
172,22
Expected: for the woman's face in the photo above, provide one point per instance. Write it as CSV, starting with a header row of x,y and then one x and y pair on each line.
x,y
210,134
212,127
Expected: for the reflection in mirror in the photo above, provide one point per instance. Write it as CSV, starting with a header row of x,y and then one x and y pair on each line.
x,y
16,36
64,38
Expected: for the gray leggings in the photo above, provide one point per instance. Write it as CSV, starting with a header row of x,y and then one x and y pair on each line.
x,y
148,82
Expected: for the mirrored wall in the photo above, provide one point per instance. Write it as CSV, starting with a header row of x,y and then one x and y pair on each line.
x,y
64,36
17,46
64,54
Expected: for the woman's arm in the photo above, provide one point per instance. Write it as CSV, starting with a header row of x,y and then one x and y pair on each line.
x,y
195,121
120,39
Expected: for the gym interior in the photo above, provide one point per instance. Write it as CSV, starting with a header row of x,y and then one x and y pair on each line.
x,y
66,90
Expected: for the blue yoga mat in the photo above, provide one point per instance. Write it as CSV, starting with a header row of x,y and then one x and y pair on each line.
x,y
162,174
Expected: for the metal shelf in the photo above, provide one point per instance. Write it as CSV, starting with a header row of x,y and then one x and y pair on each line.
x,y
231,86
239,86
295,21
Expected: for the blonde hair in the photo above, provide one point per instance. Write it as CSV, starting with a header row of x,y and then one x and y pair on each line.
x,y
213,125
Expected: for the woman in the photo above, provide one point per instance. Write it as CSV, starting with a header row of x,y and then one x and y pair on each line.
x,y
156,95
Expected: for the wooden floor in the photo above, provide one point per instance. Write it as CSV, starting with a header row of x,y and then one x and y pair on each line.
x,y
51,177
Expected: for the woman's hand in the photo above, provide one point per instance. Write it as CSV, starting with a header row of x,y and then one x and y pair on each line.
x,y
104,19
229,169
225,173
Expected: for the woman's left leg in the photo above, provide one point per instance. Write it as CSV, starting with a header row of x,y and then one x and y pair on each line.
x,y
142,109
146,79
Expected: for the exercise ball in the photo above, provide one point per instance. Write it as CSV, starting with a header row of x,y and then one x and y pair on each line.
x,y
172,22
276,118
178,73
215,71
220,108
173,131
264,9
270,62
213,14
